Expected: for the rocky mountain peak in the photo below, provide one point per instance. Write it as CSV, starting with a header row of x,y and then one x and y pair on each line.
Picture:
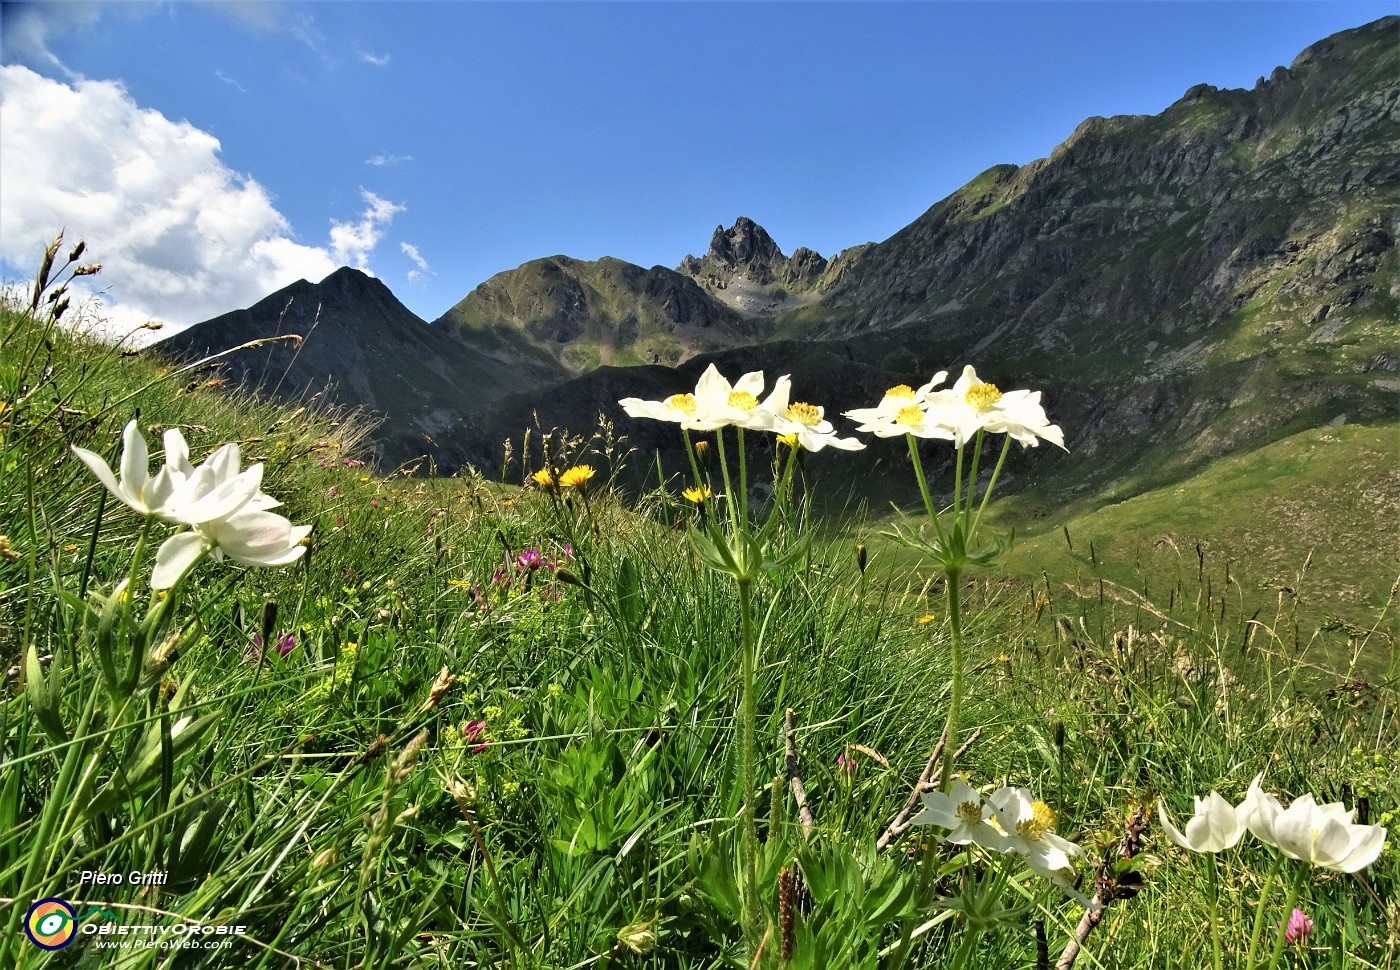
x,y
744,244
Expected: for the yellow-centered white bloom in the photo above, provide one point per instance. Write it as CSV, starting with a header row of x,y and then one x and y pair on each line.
x,y
963,813
1029,828
972,405
715,403
808,423
1216,826
1320,835
902,410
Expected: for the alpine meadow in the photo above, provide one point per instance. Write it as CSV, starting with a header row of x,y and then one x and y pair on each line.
x,y
1016,592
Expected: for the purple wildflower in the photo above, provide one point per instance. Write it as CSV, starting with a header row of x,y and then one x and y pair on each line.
x,y
284,645
471,731
1298,928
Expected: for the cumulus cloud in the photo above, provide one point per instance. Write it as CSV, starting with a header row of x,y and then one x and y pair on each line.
x,y
385,160
411,251
180,235
352,242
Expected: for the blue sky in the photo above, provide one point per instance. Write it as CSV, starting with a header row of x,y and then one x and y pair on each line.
x,y
212,152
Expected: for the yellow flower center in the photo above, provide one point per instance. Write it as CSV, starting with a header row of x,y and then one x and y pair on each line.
x,y
682,402
742,400
912,416
982,396
1042,820
901,390
969,812
806,414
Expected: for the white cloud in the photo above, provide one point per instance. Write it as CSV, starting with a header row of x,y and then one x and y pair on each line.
x,y
411,251
374,60
351,242
385,160
180,235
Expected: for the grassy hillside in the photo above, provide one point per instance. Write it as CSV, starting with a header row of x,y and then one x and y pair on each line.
x,y
502,725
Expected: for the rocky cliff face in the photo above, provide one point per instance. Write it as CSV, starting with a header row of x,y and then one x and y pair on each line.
x,y
745,270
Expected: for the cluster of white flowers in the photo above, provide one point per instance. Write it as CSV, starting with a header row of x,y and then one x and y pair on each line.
x,y
715,403
953,414
1009,820
1325,836
224,506
959,412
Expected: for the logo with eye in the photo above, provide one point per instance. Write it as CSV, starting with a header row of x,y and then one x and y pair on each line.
x,y
51,924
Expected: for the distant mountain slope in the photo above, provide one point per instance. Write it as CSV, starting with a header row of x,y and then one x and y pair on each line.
x,y
606,312
369,350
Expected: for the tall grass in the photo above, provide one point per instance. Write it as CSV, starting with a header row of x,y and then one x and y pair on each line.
x,y
346,817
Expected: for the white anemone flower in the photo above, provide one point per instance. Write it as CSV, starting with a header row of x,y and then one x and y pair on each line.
x,y
738,404
963,813
903,410
251,536
971,405
1258,811
1216,826
1324,836
178,492
1030,832
807,422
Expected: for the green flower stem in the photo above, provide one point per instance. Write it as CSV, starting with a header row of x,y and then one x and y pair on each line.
x,y
972,475
956,660
743,482
923,489
749,904
706,508
728,485
1260,912
1215,908
966,945
986,496
957,481
1295,888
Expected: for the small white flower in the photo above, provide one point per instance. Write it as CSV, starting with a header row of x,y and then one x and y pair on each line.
x,y
1030,832
903,410
178,492
972,405
253,537
1321,835
808,423
963,813
1215,826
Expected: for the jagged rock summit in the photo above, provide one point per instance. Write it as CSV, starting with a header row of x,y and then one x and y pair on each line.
x,y
745,269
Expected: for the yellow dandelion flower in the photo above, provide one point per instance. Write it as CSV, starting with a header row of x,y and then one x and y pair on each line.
x,y
926,619
697,494
576,476
544,478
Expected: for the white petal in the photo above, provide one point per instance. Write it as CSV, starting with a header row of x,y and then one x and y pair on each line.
x,y
177,453
176,555
136,460
1367,842
100,468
